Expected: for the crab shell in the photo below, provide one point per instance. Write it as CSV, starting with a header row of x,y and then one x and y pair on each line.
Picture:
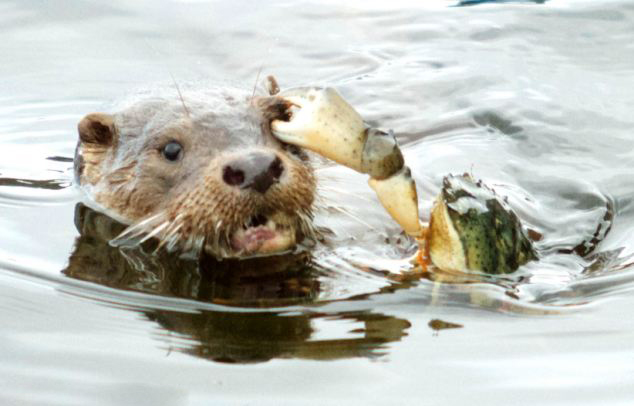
x,y
472,229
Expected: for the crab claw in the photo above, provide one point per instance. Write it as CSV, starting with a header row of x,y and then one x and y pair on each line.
x,y
398,195
323,122
381,156
445,247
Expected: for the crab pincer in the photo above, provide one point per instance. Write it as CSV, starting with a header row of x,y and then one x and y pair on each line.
x,y
322,121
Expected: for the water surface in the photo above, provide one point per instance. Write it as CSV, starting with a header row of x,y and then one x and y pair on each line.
x,y
533,97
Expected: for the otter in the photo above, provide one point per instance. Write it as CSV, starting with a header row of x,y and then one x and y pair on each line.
x,y
202,174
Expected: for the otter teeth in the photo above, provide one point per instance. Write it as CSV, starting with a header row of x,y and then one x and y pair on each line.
x,y
260,221
262,235
256,221
271,224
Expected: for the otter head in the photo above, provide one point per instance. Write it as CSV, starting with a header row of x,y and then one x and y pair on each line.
x,y
203,173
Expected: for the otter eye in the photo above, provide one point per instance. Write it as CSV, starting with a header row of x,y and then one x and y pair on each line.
x,y
172,151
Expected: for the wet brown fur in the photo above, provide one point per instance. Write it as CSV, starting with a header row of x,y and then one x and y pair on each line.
x,y
137,184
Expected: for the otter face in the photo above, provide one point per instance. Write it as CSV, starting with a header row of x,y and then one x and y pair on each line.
x,y
200,174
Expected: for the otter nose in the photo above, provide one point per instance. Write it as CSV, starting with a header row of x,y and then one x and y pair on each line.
x,y
257,171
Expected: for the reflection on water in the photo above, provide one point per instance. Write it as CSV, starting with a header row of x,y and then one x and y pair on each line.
x,y
437,325
52,184
235,337
475,2
271,283
268,281
229,336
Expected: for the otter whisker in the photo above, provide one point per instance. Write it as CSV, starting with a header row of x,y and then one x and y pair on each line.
x,y
180,95
227,238
132,260
302,226
172,232
223,251
352,216
305,224
341,191
170,237
216,240
194,247
173,242
131,236
188,243
186,250
154,232
257,78
198,244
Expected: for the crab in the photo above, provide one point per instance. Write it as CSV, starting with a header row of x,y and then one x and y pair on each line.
x,y
470,228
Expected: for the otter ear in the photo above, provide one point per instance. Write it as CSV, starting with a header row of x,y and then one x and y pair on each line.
x,y
271,85
97,128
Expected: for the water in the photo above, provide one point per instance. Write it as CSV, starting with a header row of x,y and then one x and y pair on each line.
x,y
533,98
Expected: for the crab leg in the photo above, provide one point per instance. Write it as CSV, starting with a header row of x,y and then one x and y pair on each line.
x,y
398,195
322,121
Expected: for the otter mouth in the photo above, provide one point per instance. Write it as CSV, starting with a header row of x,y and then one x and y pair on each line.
x,y
259,235
262,235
